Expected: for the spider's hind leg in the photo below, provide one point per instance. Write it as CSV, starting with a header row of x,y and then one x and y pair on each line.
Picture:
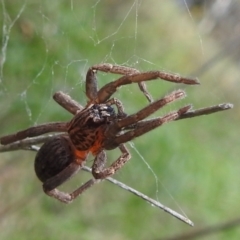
x,y
49,186
56,163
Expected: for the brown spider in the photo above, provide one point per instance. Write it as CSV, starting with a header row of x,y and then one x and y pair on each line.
x,y
97,127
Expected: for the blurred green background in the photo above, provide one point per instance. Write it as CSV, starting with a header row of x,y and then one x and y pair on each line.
x,y
191,166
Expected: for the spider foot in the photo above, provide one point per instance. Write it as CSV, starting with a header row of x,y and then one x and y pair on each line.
x,y
61,196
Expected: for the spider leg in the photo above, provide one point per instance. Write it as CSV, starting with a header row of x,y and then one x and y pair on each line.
x,y
49,186
61,177
131,120
133,76
34,131
117,69
98,170
67,102
148,110
91,84
143,87
148,125
193,113
206,110
119,105
92,91
91,80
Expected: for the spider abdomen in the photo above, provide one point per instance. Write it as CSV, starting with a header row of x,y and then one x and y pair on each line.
x,y
54,156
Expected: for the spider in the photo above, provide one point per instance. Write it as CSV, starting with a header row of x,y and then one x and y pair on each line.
x,y
101,125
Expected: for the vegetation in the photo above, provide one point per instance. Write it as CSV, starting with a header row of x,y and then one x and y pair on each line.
x,y
191,165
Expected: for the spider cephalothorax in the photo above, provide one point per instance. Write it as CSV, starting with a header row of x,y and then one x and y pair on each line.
x,y
97,128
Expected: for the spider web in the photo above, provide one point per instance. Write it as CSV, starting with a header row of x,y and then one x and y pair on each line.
x,y
59,41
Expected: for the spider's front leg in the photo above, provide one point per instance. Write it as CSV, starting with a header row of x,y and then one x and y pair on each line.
x,y
130,77
91,80
145,126
136,123
98,170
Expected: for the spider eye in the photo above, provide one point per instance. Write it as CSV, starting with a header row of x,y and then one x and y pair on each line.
x,y
101,112
107,111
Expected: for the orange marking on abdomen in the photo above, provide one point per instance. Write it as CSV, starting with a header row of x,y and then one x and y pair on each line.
x,y
97,146
95,149
80,156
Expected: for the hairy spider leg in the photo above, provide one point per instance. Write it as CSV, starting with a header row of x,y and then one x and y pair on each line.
x,y
34,131
67,102
61,177
150,109
50,185
148,125
98,170
109,89
91,81
69,197
206,110
119,125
